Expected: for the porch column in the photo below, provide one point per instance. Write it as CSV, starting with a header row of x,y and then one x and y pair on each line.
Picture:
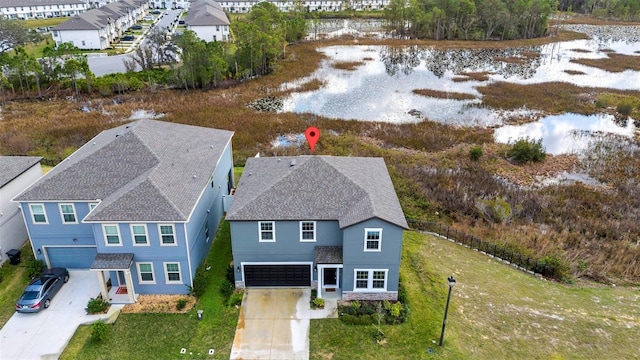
x,y
129,282
320,275
103,285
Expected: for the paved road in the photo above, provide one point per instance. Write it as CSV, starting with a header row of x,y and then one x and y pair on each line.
x,y
102,65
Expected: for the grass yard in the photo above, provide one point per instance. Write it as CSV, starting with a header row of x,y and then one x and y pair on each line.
x,y
162,336
496,312
13,280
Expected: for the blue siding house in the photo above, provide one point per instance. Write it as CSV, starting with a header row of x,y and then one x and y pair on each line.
x,y
331,223
139,204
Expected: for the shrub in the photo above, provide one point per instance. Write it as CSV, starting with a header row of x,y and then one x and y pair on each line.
x,y
625,107
318,302
181,304
226,289
99,331
357,320
34,267
235,299
475,153
525,150
97,305
199,281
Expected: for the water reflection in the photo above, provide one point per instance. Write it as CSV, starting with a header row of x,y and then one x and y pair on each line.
x,y
381,88
566,133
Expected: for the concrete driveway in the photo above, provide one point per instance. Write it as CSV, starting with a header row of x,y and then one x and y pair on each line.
x,y
44,335
273,324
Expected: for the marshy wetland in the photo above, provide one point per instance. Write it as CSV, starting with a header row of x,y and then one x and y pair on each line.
x,y
401,100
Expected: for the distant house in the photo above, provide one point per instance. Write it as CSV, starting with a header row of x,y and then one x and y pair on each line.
x,y
207,19
41,9
96,29
331,223
16,174
139,204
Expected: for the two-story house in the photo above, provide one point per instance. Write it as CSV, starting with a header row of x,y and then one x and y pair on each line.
x,y
139,204
334,223
207,19
16,174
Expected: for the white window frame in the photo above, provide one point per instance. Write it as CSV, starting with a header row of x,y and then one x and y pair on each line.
x,y
133,235
366,231
173,229
302,239
370,279
166,273
273,231
73,208
140,281
33,217
104,232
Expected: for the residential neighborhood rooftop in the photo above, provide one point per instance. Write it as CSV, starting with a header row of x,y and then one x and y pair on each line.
x,y
347,189
147,170
5,3
206,13
13,166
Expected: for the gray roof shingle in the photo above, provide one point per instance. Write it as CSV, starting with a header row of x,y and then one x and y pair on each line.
x,y
347,189
147,170
109,261
206,13
13,166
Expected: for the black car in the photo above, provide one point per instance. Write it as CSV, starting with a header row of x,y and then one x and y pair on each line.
x,y
136,27
181,22
41,290
127,38
156,12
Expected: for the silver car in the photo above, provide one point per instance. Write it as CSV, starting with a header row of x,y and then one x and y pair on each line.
x,y
41,290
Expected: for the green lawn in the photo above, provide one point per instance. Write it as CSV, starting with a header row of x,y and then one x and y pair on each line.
x,y
36,23
162,336
13,281
496,312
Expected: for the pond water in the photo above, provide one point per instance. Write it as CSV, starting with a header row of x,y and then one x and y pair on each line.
x,y
380,88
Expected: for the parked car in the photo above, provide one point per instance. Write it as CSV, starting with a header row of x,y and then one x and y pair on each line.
x,y
181,22
127,38
41,290
136,27
156,12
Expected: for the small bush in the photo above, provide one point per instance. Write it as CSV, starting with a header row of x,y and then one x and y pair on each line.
x,y
99,331
34,267
181,304
97,306
475,153
318,302
235,299
625,107
526,150
226,289
199,281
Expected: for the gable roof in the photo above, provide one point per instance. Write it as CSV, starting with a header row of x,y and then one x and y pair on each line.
x,y
206,13
347,189
13,166
147,170
96,19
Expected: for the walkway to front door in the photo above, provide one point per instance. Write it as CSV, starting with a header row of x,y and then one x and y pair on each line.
x,y
273,324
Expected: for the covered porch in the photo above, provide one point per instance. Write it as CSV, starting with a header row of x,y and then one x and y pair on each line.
x,y
115,266
328,261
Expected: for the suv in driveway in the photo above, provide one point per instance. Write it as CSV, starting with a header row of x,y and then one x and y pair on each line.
x,y
41,290
127,38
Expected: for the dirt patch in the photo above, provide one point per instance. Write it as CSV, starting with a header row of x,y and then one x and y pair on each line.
x,y
160,304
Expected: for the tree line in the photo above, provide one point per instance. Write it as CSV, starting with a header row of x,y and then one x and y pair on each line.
x,y
626,10
468,19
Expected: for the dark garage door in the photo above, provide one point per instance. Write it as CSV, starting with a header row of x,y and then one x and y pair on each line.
x,y
277,275
71,257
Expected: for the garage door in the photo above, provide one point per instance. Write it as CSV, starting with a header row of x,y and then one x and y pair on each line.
x,y
277,275
71,257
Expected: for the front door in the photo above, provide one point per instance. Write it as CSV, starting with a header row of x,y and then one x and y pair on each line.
x,y
330,277
121,279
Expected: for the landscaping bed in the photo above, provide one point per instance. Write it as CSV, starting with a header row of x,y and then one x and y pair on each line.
x,y
167,304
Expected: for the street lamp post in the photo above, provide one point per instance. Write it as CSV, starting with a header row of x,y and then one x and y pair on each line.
x,y
452,282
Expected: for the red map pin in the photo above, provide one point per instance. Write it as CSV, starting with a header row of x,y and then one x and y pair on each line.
x,y
313,135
